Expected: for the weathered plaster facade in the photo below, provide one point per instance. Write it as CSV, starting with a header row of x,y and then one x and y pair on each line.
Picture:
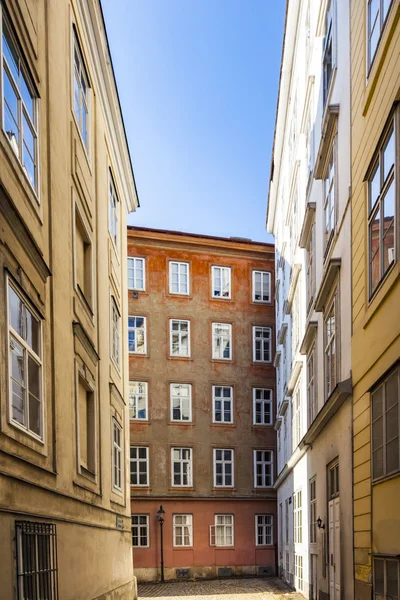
x,y
309,215
375,303
60,390
158,432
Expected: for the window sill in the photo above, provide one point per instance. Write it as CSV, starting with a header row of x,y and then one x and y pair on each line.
x,y
186,358
223,488
265,546
17,167
262,425
181,488
221,299
139,421
222,360
386,478
383,290
260,363
179,295
182,548
143,354
29,434
217,425
181,423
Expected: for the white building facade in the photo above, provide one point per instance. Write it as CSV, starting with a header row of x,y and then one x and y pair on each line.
x,y
309,215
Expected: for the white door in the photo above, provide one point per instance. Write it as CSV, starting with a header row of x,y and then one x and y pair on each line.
x,y
334,549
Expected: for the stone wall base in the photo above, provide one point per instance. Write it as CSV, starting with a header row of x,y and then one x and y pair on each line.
x,y
212,572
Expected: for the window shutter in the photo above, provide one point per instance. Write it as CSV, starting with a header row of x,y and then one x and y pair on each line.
x,y
212,535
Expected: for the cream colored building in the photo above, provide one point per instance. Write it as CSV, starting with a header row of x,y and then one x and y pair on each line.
x,y
66,188
309,215
375,86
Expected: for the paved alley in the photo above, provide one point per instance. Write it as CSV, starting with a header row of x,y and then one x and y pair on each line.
x,y
232,589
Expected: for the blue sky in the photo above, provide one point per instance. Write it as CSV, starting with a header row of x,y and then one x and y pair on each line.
x,y
198,83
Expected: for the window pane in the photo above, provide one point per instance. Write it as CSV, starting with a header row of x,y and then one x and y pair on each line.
x,y
388,156
392,581
34,414
374,187
15,312
379,576
374,239
10,53
377,403
388,228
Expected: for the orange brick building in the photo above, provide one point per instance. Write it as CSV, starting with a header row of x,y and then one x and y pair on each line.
x,y
202,404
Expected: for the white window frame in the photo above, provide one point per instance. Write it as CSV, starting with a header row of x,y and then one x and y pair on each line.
x,y
298,570
223,462
140,526
267,480
222,399
329,39
265,401
265,343
223,271
225,525
298,517
115,335
173,395
134,398
117,456
181,527
329,192
18,146
264,275
28,352
113,212
182,461
296,416
180,334
133,261
135,328
311,385
179,263
218,341
313,510
138,461
267,529
331,341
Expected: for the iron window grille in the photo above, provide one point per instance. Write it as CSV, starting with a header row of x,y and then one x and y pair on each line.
x,y
37,565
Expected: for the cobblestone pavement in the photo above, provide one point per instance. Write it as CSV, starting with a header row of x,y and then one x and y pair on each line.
x,y
229,589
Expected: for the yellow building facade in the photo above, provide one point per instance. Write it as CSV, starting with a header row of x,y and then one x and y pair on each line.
x,y
375,43
66,187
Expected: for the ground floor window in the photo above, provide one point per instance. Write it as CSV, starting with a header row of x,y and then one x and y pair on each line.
x,y
183,530
223,530
298,572
140,531
386,579
264,525
36,560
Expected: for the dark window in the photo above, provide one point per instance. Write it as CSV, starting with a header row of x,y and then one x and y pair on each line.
x,y
385,426
386,579
36,561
